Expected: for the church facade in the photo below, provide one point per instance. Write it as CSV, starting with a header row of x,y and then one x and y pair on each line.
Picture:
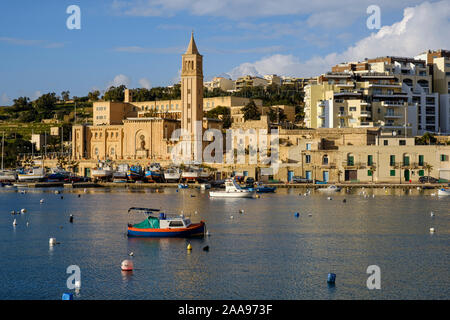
x,y
122,131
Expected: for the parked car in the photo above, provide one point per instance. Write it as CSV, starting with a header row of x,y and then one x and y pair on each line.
x,y
297,179
428,179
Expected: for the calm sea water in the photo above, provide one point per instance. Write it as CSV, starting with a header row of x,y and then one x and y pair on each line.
x,y
264,253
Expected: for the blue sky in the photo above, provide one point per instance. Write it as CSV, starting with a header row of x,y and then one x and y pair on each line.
x,y
139,42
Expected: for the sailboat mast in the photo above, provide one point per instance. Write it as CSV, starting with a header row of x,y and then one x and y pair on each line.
x,y
3,146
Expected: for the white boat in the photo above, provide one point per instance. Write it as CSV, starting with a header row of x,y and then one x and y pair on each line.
x,y
190,174
172,174
444,192
232,190
34,174
8,175
103,171
121,172
331,188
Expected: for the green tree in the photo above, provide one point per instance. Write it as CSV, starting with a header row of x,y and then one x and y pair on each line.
x,y
45,105
65,95
276,115
94,95
251,111
116,94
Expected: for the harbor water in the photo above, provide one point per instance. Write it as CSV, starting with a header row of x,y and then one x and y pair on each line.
x,y
264,252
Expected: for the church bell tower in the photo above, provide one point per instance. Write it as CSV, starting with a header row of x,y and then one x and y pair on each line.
x,y
192,97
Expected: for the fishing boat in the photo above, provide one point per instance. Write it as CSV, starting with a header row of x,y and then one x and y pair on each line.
x,y
232,190
32,174
58,174
159,224
260,188
135,173
204,186
191,173
8,175
444,192
103,171
331,188
120,175
172,174
154,172
183,186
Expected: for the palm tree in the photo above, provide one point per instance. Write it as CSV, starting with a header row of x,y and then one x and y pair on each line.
x,y
428,167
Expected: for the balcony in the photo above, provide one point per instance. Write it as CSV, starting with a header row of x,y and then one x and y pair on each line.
x,y
393,115
365,114
353,165
392,104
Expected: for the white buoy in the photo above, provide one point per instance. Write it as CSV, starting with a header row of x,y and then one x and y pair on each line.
x,y
85,190
15,222
28,223
310,215
42,201
131,254
207,233
127,265
23,210
231,217
373,196
241,211
432,214
52,241
56,192
432,230
329,198
195,212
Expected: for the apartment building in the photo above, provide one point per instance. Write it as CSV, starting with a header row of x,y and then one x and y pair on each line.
x,y
349,100
221,83
250,81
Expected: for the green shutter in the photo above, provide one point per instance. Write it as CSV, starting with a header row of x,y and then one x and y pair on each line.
x,y
350,161
421,162
406,161
392,161
421,173
392,173
369,160
369,173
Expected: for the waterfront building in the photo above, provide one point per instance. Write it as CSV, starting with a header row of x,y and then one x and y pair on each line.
x,y
250,81
346,100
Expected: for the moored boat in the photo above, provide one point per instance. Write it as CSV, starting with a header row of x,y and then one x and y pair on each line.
x,y
8,175
444,192
232,190
33,174
172,174
135,173
154,172
260,188
159,224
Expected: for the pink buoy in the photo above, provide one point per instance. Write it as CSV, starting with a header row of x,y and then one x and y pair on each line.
x,y
127,265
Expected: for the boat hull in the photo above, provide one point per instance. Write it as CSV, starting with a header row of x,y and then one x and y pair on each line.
x,y
224,194
194,230
444,192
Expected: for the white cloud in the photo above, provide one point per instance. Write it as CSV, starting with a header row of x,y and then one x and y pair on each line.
x,y
422,27
145,83
119,80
